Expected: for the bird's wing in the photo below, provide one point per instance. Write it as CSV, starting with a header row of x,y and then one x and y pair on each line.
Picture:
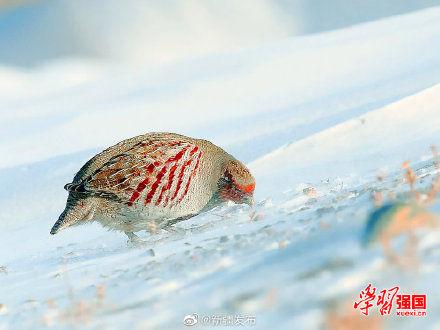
x,y
103,157
152,171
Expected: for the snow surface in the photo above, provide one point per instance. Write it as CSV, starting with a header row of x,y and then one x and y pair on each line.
x,y
330,110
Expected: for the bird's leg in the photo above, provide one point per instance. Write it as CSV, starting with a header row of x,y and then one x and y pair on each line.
x,y
151,227
134,240
176,233
131,236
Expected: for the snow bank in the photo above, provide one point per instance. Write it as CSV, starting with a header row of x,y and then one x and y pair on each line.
x,y
402,130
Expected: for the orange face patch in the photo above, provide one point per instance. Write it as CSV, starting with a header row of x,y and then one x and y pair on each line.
x,y
249,188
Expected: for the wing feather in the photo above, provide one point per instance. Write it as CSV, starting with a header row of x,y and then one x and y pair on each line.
x,y
141,168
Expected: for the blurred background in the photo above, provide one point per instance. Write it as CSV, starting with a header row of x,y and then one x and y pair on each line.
x,y
151,33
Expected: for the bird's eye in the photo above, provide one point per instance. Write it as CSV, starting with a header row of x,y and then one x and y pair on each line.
x,y
227,178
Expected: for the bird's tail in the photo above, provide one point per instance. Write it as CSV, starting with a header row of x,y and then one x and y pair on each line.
x,y
76,210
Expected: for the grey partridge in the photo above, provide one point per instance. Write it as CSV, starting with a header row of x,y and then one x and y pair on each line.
x,y
156,178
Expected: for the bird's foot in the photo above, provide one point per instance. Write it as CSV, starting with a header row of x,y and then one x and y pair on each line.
x,y
135,241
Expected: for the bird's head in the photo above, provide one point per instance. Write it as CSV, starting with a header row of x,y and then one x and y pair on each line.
x,y
237,184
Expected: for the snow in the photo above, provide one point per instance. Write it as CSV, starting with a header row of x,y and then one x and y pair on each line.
x,y
328,111
374,139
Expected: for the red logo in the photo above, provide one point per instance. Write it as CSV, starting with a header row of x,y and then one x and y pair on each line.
x,y
366,296
385,300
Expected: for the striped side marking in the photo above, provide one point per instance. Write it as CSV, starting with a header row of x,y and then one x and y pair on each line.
x,y
141,186
170,182
155,185
150,168
189,179
174,160
159,176
172,177
181,174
